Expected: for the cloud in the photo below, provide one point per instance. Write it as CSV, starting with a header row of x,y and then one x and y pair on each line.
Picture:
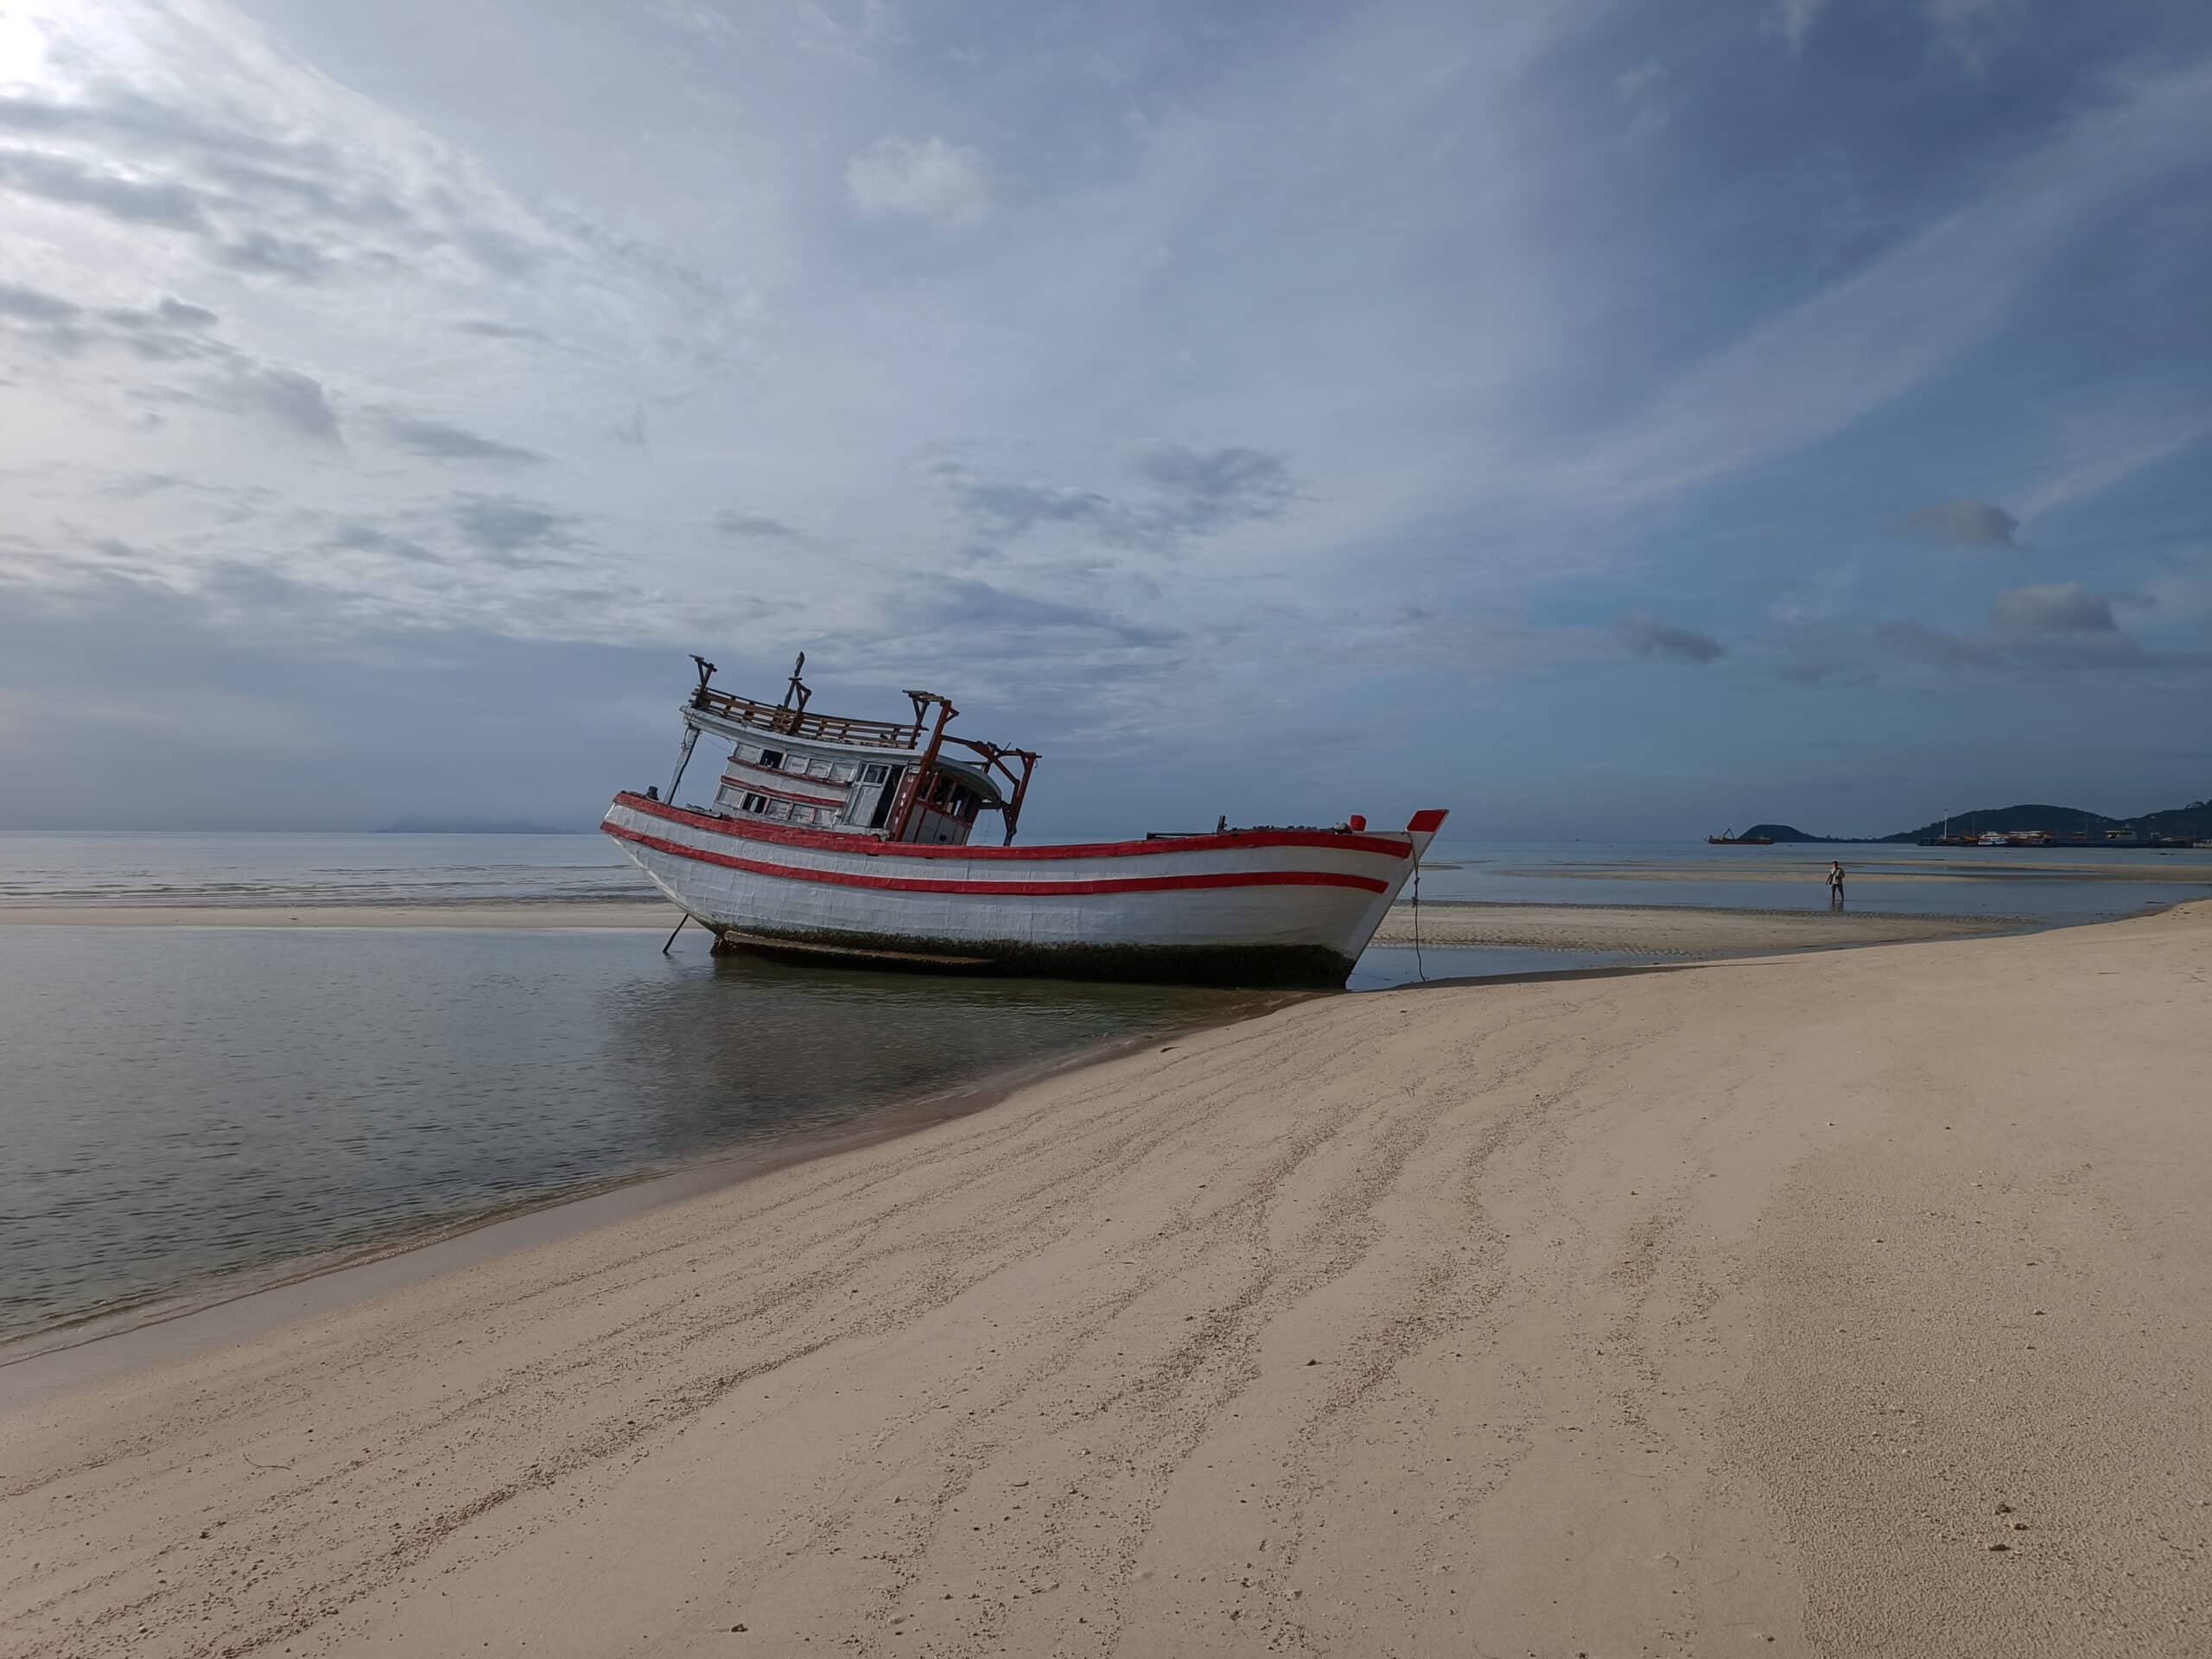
x,y
440,442
753,525
1485,644
1650,638
1632,84
182,313
186,120
816,30
2184,587
956,602
1004,509
1404,354
2050,608
294,399
134,202
1972,31
30,305
1193,494
1822,668
508,527
927,178
1806,373
245,703
488,329
1641,90
167,331
2059,624
1206,491
362,537
110,111
276,256
1964,523
1795,20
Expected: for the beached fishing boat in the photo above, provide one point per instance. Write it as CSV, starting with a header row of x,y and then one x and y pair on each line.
x,y
829,838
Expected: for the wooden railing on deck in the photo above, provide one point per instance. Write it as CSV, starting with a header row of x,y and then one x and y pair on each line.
x,y
793,722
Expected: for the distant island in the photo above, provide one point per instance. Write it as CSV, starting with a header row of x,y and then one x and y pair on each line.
x,y
430,826
1779,832
2191,823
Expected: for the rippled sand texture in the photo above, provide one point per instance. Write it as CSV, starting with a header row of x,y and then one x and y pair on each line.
x,y
1853,1300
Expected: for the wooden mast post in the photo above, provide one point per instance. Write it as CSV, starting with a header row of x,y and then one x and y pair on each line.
x,y
683,759
917,778
1013,809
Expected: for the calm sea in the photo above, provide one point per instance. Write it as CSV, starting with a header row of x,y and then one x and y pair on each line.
x,y
184,1110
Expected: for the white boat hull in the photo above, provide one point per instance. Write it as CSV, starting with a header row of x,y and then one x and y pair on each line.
x,y
1277,907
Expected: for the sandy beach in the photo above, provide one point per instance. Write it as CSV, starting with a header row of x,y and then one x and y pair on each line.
x,y
1847,1303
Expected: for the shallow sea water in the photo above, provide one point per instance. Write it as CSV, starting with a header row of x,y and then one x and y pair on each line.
x,y
183,1103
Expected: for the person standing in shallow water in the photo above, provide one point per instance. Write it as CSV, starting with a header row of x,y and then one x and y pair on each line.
x,y
1835,883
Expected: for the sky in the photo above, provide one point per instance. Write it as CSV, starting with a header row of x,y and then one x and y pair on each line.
x,y
1601,419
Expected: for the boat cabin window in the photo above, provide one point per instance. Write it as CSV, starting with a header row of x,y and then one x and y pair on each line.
x,y
817,768
953,799
843,772
754,803
772,759
779,809
873,775
887,796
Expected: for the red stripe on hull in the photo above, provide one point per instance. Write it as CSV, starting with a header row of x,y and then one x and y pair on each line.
x,y
867,846
1018,889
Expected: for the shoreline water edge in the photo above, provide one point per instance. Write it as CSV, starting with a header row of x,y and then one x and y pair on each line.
x,y
227,1306
1586,1313
1516,936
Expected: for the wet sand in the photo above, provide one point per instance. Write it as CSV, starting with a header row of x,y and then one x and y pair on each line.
x,y
1670,930
1843,1303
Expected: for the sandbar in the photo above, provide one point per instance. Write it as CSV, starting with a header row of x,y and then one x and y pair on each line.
x,y
1668,930
1848,1302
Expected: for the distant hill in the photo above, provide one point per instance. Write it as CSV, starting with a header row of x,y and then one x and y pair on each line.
x,y
429,826
2191,823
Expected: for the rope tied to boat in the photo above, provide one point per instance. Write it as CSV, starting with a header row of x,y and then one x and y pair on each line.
x,y
1420,967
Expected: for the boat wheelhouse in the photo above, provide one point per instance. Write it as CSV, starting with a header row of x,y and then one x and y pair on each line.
x,y
827,837
905,781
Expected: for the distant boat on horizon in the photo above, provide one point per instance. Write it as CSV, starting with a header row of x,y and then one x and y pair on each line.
x,y
1730,838
848,841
